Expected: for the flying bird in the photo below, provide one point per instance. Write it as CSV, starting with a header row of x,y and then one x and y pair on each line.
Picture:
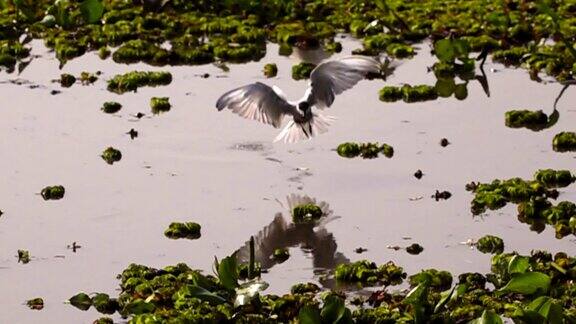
x,y
269,105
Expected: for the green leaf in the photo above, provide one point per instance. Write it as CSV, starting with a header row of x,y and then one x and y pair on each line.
x,y
81,301
444,50
92,10
203,294
445,87
139,306
446,296
333,309
528,283
518,264
488,317
309,315
228,272
548,308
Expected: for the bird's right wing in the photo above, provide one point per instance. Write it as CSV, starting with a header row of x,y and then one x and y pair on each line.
x,y
256,101
331,78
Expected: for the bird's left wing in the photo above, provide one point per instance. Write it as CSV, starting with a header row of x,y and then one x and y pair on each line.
x,y
334,77
256,101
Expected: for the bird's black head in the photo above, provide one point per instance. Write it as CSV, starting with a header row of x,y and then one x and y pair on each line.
x,y
304,106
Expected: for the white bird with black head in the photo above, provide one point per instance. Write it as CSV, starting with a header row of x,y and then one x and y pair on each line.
x,y
269,105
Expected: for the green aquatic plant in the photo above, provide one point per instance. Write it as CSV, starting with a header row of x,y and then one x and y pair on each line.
x,y
160,105
365,150
189,230
81,301
67,80
270,70
302,70
35,303
52,192
414,249
564,142
23,256
490,244
408,93
306,213
533,120
369,274
111,107
111,155
131,81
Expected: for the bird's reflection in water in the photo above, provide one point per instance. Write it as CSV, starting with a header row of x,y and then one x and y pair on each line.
x,y
313,239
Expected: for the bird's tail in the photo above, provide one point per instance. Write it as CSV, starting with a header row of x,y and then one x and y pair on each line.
x,y
294,132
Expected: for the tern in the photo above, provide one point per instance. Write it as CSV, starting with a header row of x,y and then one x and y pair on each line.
x,y
269,105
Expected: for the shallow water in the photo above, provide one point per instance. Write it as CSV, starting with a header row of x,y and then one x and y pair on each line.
x,y
196,164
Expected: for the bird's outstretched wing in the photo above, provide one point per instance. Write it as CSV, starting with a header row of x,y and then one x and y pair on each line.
x,y
256,101
333,77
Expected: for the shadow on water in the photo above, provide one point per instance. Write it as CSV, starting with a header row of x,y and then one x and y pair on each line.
x,y
312,238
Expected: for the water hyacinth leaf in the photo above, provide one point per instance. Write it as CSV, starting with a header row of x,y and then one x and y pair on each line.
x,y
528,283
205,295
335,311
309,314
518,264
417,298
139,306
228,272
488,317
550,310
92,10
111,155
445,297
104,304
81,301
444,50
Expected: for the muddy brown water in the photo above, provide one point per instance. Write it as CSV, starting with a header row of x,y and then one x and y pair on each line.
x,y
196,164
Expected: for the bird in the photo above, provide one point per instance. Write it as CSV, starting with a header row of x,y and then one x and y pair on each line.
x,y
269,105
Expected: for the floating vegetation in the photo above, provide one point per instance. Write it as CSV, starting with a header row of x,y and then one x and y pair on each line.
x,y
533,120
564,142
408,93
111,107
414,249
81,301
23,256
133,133
160,105
442,195
188,230
67,80
111,155
281,255
52,192
270,70
35,304
532,197
490,244
365,150
88,78
368,273
534,286
306,213
302,70
131,81
444,142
